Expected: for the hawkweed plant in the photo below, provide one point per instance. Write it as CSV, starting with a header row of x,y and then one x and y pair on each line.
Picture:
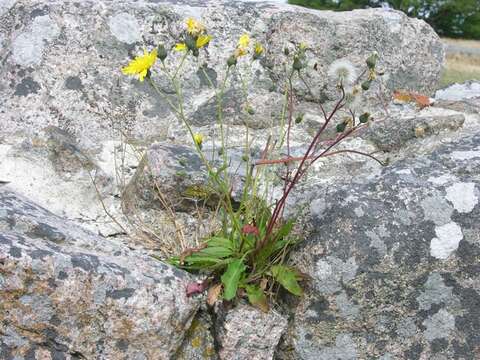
x,y
246,256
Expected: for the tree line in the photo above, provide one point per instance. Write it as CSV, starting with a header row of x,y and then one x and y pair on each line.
x,y
449,18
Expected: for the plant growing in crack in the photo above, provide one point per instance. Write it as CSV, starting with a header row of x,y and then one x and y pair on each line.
x,y
247,255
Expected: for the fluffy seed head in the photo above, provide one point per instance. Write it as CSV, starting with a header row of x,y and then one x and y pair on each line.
x,y
343,71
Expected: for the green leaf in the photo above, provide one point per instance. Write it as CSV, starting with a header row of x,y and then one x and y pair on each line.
x,y
285,229
219,241
231,278
216,251
287,277
257,297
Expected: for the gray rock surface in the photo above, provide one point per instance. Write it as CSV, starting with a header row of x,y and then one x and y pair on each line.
x,y
245,332
66,293
199,342
55,72
176,176
394,252
393,261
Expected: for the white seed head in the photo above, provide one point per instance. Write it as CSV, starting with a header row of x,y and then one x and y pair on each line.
x,y
343,71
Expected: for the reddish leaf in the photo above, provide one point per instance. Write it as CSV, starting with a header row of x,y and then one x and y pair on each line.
x,y
196,288
248,229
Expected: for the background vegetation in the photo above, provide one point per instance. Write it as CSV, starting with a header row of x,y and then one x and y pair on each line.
x,y
449,18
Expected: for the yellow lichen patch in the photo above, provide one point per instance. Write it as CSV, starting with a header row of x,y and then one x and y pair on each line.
x,y
420,132
405,96
196,342
197,192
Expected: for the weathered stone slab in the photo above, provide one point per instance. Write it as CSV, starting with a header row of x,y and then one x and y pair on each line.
x,y
176,176
67,293
55,73
394,262
245,332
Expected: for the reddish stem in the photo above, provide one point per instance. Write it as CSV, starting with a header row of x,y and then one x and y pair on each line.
x,y
281,202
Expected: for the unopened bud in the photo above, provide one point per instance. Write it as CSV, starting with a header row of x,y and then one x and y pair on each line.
x,y
191,43
162,52
232,61
297,64
341,127
372,60
364,117
299,119
366,85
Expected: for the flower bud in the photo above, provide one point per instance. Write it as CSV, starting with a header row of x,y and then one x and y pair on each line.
x,y
198,139
162,52
298,64
341,127
364,117
191,43
286,51
232,61
195,52
299,119
250,110
372,61
366,85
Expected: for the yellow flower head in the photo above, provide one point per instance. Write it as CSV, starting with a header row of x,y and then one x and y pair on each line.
x,y
181,47
258,49
194,27
244,41
203,40
141,64
198,138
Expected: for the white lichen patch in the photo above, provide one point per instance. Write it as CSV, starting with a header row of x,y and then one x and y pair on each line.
x,y
5,5
331,271
442,179
437,209
27,48
125,28
465,155
359,211
462,196
318,207
439,325
447,240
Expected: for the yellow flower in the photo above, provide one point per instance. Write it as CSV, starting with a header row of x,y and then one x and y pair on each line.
x,y
203,40
181,47
198,138
194,27
244,41
258,49
141,64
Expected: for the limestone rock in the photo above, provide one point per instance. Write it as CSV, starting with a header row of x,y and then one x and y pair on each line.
x,y
176,176
245,332
461,97
56,73
199,343
394,262
67,293
400,128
